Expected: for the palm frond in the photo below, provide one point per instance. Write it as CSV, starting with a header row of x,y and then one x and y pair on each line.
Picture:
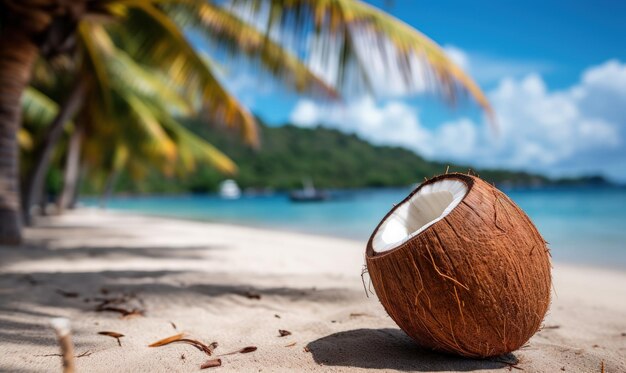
x,y
93,59
192,148
38,109
228,32
125,74
137,122
128,127
150,127
152,39
349,37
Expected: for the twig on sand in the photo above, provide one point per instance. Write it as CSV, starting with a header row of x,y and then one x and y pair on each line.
x,y
86,353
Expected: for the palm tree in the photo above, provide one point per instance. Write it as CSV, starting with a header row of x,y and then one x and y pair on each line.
x,y
345,35
132,123
130,93
191,71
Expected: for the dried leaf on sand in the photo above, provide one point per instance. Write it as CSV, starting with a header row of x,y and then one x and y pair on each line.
x,y
168,340
115,335
211,363
283,333
244,350
178,338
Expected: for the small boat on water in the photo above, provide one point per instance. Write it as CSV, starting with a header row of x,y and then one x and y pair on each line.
x,y
308,193
229,189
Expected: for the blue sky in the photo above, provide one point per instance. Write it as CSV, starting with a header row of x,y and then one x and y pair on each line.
x,y
555,71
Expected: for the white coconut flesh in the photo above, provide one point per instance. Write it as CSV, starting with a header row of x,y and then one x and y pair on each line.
x,y
426,207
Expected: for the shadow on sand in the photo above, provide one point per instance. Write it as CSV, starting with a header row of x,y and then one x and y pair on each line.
x,y
391,349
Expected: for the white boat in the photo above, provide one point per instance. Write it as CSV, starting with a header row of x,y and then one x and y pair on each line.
x,y
229,189
308,193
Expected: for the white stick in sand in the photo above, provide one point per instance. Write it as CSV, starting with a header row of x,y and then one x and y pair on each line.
x,y
61,326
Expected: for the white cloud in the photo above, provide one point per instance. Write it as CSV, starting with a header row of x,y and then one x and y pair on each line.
x,y
576,130
388,123
537,128
487,69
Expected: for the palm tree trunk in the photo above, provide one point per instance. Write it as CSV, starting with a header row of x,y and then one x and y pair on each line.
x,y
17,56
109,187
72,169
35,182
74,200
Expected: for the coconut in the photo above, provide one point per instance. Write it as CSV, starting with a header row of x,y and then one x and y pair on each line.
x,y
461,268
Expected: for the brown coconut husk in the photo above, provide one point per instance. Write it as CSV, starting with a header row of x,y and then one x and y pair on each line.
x,y
476,283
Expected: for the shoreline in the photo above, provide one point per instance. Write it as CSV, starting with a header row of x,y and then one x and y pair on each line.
x,y
228,283
219,222
575,264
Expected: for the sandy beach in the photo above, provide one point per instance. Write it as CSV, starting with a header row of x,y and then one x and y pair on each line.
x,y
239,286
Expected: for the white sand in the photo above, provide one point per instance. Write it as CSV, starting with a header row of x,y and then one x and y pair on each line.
x,y
196,276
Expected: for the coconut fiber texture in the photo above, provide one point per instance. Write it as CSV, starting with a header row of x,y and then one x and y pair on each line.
x,y
476,283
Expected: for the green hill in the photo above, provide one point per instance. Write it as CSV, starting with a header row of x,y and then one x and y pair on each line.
x,y
332,159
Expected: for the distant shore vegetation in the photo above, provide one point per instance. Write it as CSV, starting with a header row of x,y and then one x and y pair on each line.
x,y
290,154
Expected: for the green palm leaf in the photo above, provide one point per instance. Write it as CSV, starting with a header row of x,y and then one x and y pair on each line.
x,y
124,73
38,109
143,126
230,33
192,148
347,24
152,39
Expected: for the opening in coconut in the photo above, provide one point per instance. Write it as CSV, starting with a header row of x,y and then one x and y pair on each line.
x,y
428,205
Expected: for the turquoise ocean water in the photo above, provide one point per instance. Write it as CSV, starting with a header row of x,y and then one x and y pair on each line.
x,y
582,225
